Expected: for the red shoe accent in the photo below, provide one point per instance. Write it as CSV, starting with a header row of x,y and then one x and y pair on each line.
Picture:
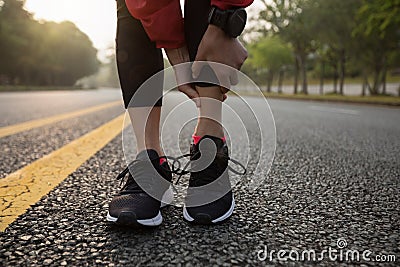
x,y
196,139
162,160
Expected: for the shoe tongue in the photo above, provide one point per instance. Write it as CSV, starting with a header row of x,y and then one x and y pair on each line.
x,y
218,141
147,154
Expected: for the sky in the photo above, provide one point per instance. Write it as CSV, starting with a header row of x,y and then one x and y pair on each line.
x,y
96,18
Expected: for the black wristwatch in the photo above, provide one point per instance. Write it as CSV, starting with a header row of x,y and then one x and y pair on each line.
x,y
231,21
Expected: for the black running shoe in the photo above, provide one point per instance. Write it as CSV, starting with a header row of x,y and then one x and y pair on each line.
x,y
138,203
209,198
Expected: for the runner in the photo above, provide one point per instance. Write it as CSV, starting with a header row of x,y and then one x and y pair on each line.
x,y
207,33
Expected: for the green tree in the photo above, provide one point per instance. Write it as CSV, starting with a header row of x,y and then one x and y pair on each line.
x,y
333,24
272,55
70,53
45,53
378,35
291,20
14,21
379,16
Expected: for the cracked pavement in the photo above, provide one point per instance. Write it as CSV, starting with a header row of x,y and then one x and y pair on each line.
x,y
335,176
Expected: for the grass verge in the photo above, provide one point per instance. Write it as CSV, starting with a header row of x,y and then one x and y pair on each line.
x,y
373,100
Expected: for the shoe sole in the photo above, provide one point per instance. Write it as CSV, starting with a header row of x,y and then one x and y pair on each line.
x,y
128,218
167,198
205,218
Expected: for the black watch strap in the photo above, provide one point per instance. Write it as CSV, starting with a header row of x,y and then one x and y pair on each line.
x,y
231,21
218,17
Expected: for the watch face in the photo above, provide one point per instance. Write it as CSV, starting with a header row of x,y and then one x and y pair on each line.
x,y
237,22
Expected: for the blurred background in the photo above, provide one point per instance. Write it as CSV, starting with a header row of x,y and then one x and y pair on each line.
x,y
296,47
335,165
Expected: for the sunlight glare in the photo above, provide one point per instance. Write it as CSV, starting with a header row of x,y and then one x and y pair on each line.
x,y
97,18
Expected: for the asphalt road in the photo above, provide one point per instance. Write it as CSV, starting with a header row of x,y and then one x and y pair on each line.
x,y
335,176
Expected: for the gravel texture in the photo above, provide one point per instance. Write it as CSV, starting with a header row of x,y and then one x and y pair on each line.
x,y
335,175
23,148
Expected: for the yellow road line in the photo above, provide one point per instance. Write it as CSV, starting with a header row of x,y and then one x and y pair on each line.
x,y
26,186
20,127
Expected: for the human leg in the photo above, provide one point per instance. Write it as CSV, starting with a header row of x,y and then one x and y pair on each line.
x,y
210,112
138,59
148,176
206,202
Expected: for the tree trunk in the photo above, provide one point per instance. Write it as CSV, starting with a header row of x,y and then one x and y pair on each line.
x,y
335,78
321,80
375,88
26,79
270,79
365,85
303,68
296,75
280,82
342,72
15,80
379,67
305,81
384,75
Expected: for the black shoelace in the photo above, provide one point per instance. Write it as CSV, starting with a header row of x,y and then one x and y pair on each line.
x,y
219,156
131,185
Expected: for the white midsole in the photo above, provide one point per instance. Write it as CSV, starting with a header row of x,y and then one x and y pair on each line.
x,y
223,217
146,222
167,199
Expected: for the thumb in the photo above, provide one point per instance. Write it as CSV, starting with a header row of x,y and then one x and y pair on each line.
x,y
223,75
196,68
198,64
191,93
234,78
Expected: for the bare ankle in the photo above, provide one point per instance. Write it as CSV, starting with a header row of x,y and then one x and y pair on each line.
x,y
209,127
148,147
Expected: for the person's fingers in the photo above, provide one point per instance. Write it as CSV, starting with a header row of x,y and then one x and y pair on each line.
x,y
234,77
191,93
197,66
242,51
224,97
222,72
197,101
183,74
225,83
